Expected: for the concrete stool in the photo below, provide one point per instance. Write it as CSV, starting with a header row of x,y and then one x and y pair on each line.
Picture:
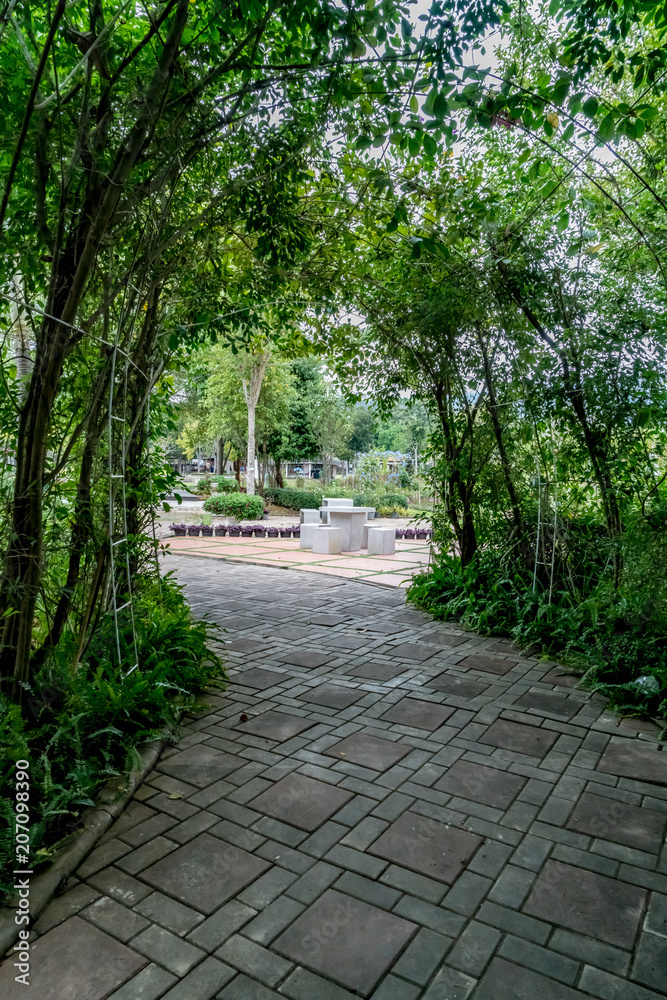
x,y
306,535
381,541
326,540
307,516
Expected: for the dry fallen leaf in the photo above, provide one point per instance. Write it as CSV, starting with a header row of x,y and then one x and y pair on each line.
x,y
175,795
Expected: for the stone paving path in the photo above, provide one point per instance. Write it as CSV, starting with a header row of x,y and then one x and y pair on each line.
x,y
379,806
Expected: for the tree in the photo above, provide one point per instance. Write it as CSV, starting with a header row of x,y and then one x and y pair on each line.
x,y
331,426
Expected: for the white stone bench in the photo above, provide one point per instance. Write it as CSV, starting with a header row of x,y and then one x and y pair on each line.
x,y
381,541
326,539
306,535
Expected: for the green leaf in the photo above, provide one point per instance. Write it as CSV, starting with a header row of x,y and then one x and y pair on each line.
x,y
173,341
647,113
569,131
440,106
590,107
607,128
430,145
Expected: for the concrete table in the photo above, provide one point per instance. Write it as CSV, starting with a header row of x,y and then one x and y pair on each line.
x,y
351,522
330,502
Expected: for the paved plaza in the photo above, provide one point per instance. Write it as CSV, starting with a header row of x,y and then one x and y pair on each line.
x,y
380,805
393,571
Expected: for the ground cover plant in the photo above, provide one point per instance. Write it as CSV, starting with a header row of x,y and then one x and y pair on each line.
x,y
80,727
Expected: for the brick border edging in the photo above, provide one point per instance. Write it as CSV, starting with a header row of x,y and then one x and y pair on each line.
x,y
96,821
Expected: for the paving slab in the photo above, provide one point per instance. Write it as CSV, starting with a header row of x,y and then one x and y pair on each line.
x,y
584,901
301,801
418,714
73,961
347,940
332,695
488,785
461,687
610,819
256,677
205,873
520,738
200,765
369,751
629,760
428,846
377,671
489,664
276,726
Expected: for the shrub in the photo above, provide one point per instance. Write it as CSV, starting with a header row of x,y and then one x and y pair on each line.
x,y
236,505
204,486
295,499
226,485
395,500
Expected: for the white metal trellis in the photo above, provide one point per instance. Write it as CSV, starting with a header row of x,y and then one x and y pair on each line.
x,y
540,562
118,462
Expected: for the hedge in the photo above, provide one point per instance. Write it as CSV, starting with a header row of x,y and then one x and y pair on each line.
x,y
294,499
236,505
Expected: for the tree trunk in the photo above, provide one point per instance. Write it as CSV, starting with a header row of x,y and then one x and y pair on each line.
x,y
251,390
250,459
500,441
20,336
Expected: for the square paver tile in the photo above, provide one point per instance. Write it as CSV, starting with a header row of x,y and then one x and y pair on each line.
x,y
549,703
586,902
308,658
629,759
200,765
347,940
74,961
369,751
427,846
328,621
276,726
462,687
332,695
418,651
506,981
556,676
520,738
490,664
258,678
607,819
377,671
205,873
443,639
418,714
482,784
247,645
301,801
